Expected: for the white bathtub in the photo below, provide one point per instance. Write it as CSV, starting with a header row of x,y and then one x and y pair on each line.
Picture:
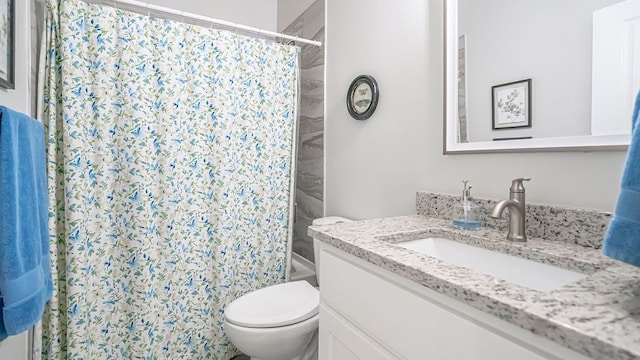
x,y
303,269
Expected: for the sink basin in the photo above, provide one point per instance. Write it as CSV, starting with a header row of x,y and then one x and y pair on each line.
x,y
527,273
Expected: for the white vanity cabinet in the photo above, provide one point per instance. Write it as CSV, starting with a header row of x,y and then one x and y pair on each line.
x,y
342,340
370,313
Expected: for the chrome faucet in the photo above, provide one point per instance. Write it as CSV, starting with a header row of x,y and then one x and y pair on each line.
x,y
516,210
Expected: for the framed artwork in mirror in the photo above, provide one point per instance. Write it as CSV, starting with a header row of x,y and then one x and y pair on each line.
x,y
7,44
511,105
362,97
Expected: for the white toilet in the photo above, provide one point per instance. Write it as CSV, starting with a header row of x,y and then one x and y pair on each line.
x,y
279,322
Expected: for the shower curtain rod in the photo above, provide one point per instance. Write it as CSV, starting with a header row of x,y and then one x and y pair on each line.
x,y
147,6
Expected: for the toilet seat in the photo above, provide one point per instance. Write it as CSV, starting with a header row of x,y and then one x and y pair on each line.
x,y
275,306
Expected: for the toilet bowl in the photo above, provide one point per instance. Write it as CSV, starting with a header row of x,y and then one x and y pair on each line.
x,y
278,322
300,339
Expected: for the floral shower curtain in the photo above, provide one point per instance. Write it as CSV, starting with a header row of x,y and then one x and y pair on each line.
x,y
170,159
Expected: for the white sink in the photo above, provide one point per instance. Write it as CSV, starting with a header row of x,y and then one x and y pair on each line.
x,y
527,273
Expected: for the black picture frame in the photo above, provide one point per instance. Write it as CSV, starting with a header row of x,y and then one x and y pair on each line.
x,y
362,97
7,44
511,105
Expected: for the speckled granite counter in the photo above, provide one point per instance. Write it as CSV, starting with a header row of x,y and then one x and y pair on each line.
x,y
598,316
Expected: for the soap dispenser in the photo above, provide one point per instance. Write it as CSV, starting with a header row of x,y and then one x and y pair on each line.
x,y
466,214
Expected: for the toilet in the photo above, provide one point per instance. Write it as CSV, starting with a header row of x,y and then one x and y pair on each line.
x,y
279,322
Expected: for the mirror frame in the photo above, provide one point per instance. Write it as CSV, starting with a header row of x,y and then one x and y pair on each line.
x,y
450,128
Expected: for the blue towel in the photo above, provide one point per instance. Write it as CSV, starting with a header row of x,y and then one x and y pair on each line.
x,y
25,274
622,240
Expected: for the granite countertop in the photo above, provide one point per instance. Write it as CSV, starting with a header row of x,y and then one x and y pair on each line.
x,y
598,316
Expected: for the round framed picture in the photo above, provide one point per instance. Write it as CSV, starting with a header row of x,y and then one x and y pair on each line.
x,y
362,97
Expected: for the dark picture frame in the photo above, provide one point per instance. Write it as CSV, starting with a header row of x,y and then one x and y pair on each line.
x,y
7,41
511,105
362,97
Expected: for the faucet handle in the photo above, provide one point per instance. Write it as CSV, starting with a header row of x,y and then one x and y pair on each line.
x,y
516,185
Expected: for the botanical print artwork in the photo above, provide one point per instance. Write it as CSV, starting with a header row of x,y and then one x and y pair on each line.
x,y
169,164
511,106
4,37
362,96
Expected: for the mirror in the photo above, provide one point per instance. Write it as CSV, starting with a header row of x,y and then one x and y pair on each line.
x,y
537,60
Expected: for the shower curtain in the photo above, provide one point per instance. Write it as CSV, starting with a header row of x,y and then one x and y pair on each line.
x,y
169,162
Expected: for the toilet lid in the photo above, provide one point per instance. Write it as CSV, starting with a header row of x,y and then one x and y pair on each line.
x,y
274,306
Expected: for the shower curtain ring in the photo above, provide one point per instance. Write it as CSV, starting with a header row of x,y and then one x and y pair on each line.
x,y
148,10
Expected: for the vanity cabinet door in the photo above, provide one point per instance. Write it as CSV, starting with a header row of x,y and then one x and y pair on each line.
x,y
340,340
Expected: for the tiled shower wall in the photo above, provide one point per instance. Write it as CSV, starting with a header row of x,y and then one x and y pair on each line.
x,y
310,175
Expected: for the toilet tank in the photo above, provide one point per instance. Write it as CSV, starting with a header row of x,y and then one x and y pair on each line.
x,y
329,220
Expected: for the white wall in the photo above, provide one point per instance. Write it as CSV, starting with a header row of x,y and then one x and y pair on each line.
x,y
18,99
374,167
289,10
15,347
257,13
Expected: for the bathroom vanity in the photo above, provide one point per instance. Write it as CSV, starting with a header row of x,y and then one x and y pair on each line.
x,y
380,300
